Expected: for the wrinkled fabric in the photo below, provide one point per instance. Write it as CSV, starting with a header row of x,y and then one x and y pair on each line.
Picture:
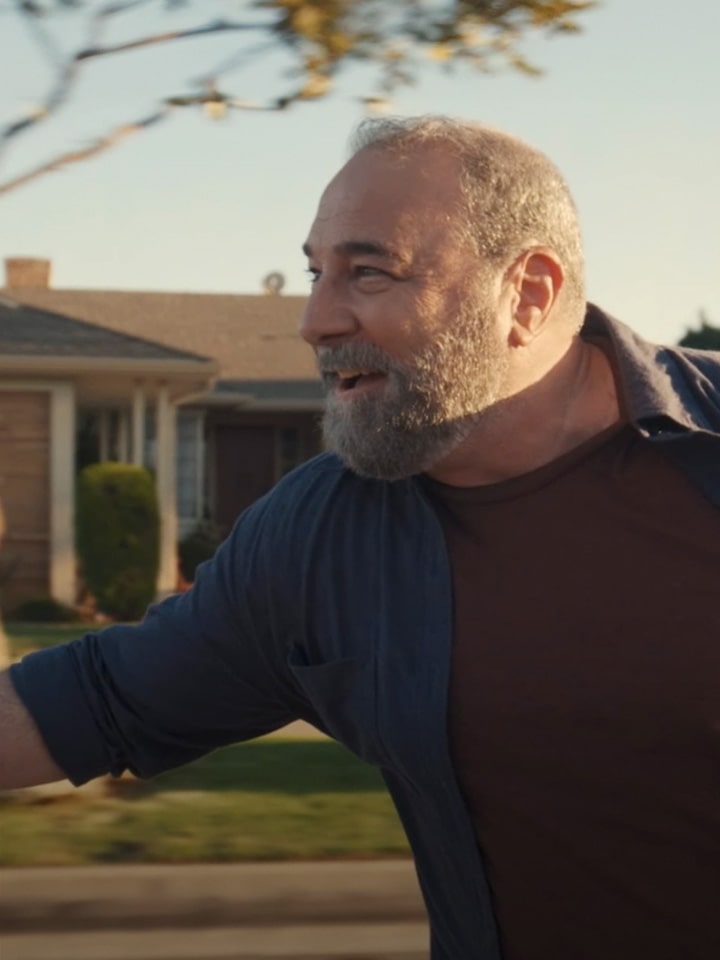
x,y
330,602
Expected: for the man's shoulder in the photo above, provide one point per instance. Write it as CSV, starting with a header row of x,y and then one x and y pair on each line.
x,y
657,381
630,344
705,360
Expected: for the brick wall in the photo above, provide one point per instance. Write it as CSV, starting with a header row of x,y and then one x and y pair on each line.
x,y
25,494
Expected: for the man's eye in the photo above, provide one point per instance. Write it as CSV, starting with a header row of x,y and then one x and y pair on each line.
x,y
365,271
313,274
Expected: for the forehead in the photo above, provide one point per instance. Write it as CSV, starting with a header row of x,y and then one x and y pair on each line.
x,y
404,202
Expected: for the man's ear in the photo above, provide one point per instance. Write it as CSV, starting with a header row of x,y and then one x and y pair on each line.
x,y
537,277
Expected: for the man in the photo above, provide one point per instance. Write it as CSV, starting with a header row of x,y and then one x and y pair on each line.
x,y
500,588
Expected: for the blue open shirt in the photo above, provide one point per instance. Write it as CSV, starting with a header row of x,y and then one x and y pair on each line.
x,y
331,601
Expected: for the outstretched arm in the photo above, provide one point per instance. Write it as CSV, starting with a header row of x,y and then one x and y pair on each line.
x,y
24,759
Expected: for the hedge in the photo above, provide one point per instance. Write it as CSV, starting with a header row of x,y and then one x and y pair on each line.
x,y
118,537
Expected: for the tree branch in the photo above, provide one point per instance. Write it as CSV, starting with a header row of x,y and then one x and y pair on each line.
x,y
219,26
69,72
322,37
215,103
76,156
113,9
60,91
42,35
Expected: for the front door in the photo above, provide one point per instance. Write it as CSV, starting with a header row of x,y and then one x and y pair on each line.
x,y
244,469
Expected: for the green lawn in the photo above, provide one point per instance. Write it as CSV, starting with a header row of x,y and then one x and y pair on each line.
x,y
272,799
25,637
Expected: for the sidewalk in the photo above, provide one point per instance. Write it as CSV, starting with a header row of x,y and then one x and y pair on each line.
x,y
156,896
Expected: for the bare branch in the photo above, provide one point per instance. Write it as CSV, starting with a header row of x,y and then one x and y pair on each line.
x,y
219,26
42,35
76,156
59,93
215,104
113,9
55,99
67,72
321,37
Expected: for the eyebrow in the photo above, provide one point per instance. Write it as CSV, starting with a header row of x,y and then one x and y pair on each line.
x,y
366,247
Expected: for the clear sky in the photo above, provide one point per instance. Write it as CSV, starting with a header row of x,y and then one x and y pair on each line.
x,y
629,110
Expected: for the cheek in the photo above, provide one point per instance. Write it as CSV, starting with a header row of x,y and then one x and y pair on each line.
x,y
391,321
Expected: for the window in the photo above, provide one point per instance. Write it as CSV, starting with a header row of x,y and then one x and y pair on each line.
x,y
190,462
289,450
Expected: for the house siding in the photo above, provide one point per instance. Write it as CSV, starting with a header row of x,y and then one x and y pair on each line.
x,y
25,494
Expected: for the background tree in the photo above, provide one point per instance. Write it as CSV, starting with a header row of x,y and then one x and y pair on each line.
x,y
321,38
705,337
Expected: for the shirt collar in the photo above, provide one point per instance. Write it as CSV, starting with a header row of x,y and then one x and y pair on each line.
x,y
656,383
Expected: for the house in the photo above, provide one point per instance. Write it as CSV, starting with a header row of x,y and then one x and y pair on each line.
x,y
215,393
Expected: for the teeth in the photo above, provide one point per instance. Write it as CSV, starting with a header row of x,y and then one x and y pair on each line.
x,y
350,374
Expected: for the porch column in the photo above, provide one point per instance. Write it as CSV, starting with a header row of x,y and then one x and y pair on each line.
x,y
122,437
104,435
62,493
138,425
166,492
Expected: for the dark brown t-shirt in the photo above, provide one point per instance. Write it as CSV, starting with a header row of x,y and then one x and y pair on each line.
x,y
584,707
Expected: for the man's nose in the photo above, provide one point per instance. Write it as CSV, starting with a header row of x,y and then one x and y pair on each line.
x,y
328,317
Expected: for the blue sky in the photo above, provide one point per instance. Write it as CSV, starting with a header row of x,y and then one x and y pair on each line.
x,y
629,110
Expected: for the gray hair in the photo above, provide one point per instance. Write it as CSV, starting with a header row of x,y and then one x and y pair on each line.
x,y
514,196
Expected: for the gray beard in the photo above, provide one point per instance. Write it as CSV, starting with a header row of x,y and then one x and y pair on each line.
x,y
427,408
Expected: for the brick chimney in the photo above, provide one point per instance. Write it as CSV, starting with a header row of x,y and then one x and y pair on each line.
x,y
27,272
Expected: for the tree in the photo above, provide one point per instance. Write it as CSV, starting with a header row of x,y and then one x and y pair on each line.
x,y
706,337
321,38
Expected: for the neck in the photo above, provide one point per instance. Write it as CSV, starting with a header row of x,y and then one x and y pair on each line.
x,y
574,400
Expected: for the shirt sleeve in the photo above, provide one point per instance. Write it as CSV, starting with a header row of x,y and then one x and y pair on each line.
x,y
203,669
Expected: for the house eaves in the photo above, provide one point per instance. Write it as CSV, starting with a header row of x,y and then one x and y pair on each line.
x,y
33,338
251,337
271,396
20,365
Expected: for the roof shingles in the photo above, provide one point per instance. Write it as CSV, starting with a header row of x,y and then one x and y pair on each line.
x,y
251,337
28,331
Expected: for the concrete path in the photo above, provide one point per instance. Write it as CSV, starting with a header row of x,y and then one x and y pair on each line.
x,y
307,942
368,910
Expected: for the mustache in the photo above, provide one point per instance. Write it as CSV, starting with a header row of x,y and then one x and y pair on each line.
x,y
354,356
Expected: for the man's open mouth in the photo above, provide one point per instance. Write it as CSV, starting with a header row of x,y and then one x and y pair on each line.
x,y
351,379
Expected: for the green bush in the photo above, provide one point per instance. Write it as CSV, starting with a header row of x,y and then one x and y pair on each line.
x,y
195,548
118,537
44,610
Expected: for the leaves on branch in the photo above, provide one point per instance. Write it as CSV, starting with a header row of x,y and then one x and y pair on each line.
x,y
321,36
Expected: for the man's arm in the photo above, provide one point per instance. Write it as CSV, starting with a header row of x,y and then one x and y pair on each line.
x,y
24,759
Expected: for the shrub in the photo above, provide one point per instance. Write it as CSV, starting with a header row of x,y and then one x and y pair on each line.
x,y
118,537
195,548
45,610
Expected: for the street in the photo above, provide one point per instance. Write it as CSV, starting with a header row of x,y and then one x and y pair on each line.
x,y
372,941
364,910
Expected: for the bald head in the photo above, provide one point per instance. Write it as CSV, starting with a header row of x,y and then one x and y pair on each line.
x,y
512,196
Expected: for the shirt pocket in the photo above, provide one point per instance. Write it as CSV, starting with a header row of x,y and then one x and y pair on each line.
x,y
343,695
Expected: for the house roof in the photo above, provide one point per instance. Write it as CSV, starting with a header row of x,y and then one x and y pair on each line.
x,y
27,331
250,337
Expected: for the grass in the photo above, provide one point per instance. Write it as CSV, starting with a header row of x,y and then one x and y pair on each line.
x,y
25,637
271,799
